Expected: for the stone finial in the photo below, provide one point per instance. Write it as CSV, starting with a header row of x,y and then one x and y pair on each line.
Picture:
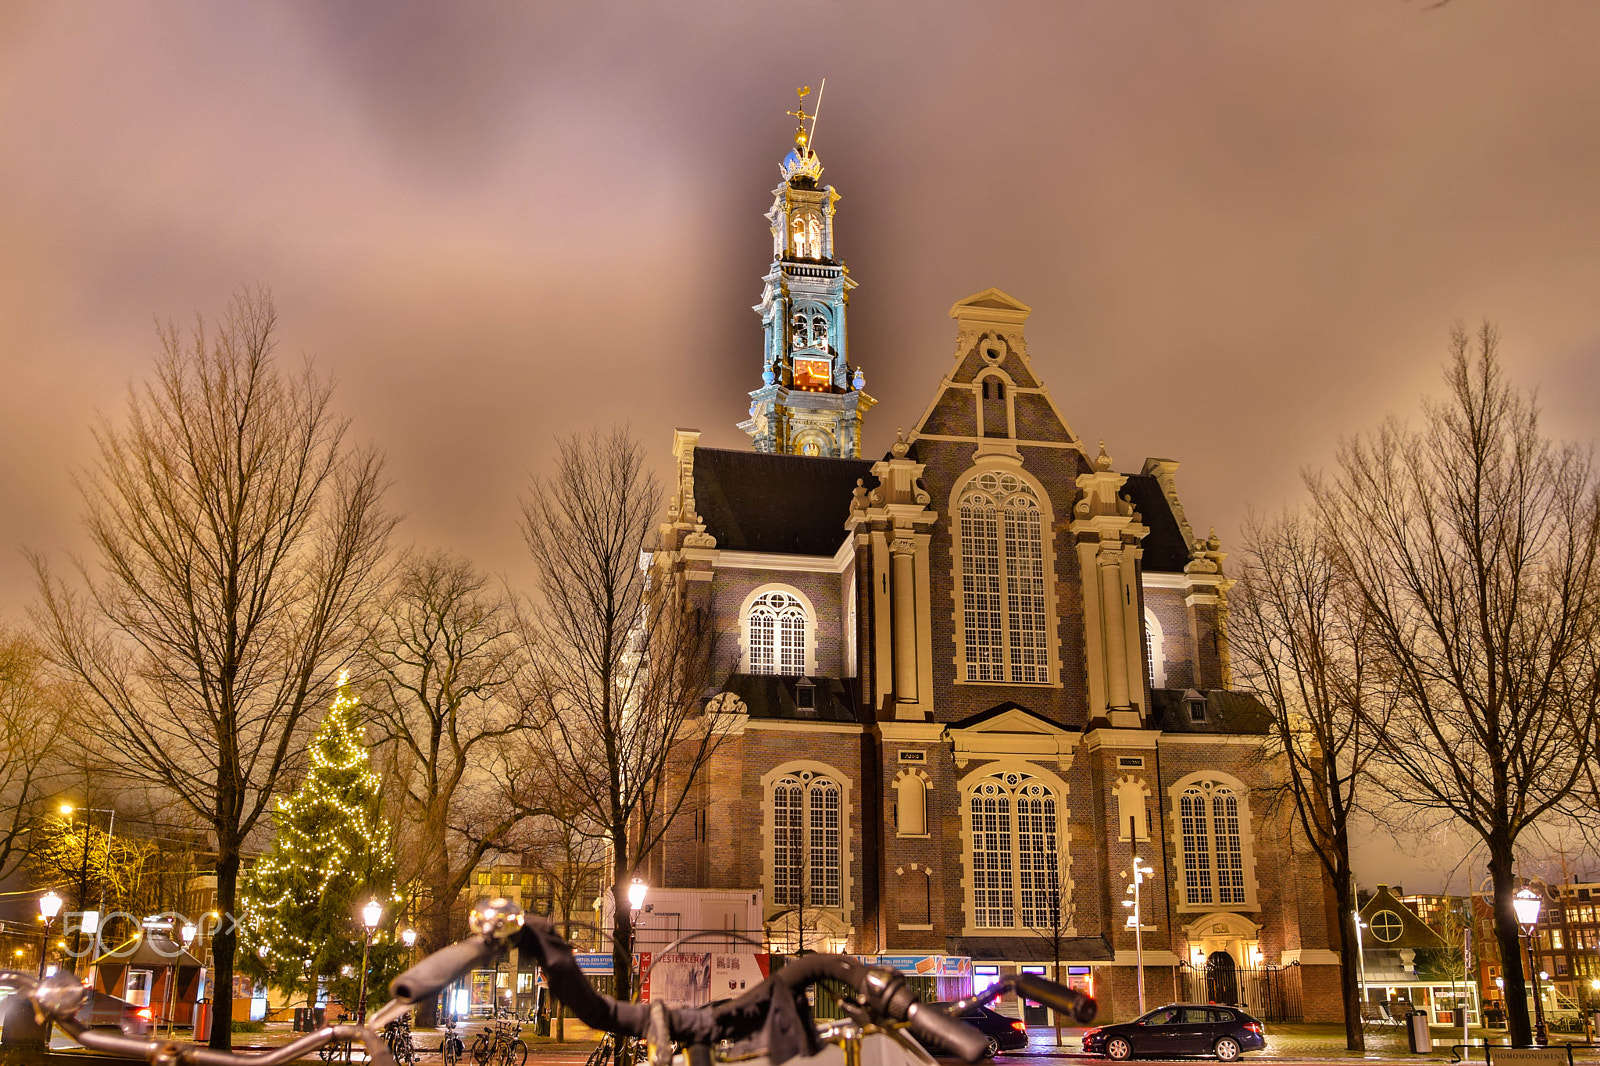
x,y
859,382
901,445
1102,461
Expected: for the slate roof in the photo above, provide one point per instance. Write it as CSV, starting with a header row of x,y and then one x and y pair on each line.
x,y
1164,546
1226,712
773,696
759,502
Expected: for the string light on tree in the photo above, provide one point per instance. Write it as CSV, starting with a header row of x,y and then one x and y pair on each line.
x,y
331,847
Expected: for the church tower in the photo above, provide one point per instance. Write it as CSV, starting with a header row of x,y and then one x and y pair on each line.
x,y
810,401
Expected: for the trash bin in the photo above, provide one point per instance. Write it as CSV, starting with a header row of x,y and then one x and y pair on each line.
x,y
1417,1031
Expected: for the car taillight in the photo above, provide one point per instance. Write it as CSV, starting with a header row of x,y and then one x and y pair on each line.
x,y
1020,1026
146,1014
1254,1027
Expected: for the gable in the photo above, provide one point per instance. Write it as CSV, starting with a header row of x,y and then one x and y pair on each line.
x,y
1011,730
1391,924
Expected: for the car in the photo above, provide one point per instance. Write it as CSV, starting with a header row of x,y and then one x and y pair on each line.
x,y
103,1011
1180,1029
1005,1034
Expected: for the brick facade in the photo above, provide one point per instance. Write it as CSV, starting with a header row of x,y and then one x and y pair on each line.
x,y
1110,749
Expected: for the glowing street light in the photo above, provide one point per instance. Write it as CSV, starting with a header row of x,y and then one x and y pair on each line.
x,y
636,893
371,915
1528,903
1136,919
49,907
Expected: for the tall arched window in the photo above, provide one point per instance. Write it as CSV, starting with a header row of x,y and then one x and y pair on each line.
x,y
777,625
1213,830
1155,653
1015,855
1002,581
806,824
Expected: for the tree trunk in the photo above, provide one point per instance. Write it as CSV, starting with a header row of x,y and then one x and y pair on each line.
x,y
436,920
223,944
1508,936
1355,1038
622,922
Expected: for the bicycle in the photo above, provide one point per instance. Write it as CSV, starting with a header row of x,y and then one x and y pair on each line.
x,y
451,1049
769,1024
606,1051
397,1034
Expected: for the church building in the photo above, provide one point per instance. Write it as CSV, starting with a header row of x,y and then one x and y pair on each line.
x,y
962,687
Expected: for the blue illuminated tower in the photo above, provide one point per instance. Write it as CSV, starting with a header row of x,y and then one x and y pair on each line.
x,y
810,401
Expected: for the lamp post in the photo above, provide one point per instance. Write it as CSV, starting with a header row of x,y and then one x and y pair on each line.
x,y
1136,919
371,914
1527,903
49,907
67,812
189,932
636,893
1361,957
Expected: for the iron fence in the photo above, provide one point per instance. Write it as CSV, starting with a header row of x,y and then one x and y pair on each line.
x,y
1271,993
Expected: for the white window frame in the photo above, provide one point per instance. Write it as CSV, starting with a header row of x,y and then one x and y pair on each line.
x,y
747,657
1211,874
1011,890
998,486
1155,656
836,885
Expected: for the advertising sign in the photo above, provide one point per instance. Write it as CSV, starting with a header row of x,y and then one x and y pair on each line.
x,y
698,978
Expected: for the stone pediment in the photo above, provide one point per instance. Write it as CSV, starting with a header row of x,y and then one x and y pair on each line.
x,y
1011,731
992,304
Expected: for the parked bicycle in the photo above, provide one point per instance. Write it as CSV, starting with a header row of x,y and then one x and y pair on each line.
x,y
771,1024
605,1053
451,1049
397,1034
502,1043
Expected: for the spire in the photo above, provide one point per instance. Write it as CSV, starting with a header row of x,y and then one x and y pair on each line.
x,y
811,398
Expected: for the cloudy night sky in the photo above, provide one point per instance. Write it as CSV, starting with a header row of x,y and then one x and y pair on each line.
x,y
1245,228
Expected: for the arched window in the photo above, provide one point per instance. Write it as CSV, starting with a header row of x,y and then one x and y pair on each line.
x,y
1212,828
1002,581
805,232
1013,835
1154,657
777,625
806,826
911,804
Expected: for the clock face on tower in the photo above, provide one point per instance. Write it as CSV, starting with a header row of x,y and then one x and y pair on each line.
x,y
813,375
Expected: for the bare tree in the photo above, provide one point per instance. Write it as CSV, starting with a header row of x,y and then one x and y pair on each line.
x,y
442,655
32,713
238,539
568,855
1303,643
622,666
1473,544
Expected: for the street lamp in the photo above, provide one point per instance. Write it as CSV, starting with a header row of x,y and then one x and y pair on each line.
x,y
636,891
1136,920
84,925
49,907
1527,903
371,914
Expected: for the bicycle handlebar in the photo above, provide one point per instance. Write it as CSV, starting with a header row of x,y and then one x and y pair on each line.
x,y
776,1009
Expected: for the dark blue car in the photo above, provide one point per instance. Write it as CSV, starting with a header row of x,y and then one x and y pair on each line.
x,y
1180,1029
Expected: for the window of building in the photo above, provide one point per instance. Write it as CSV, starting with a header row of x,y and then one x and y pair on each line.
x,y
1004,615
777,625
1155,652
807,821
1013,836
1212,826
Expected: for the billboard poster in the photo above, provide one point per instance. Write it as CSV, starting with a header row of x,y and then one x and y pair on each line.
x,y
698,978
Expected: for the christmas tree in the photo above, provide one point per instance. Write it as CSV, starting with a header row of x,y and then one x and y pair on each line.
x,y
331,852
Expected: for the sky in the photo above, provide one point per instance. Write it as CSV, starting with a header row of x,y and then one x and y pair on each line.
x,y
1245,228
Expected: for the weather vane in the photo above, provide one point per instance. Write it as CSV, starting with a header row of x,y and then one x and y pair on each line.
x,y
801,137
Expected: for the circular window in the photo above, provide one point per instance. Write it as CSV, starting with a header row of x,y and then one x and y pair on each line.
x,y
1387,926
